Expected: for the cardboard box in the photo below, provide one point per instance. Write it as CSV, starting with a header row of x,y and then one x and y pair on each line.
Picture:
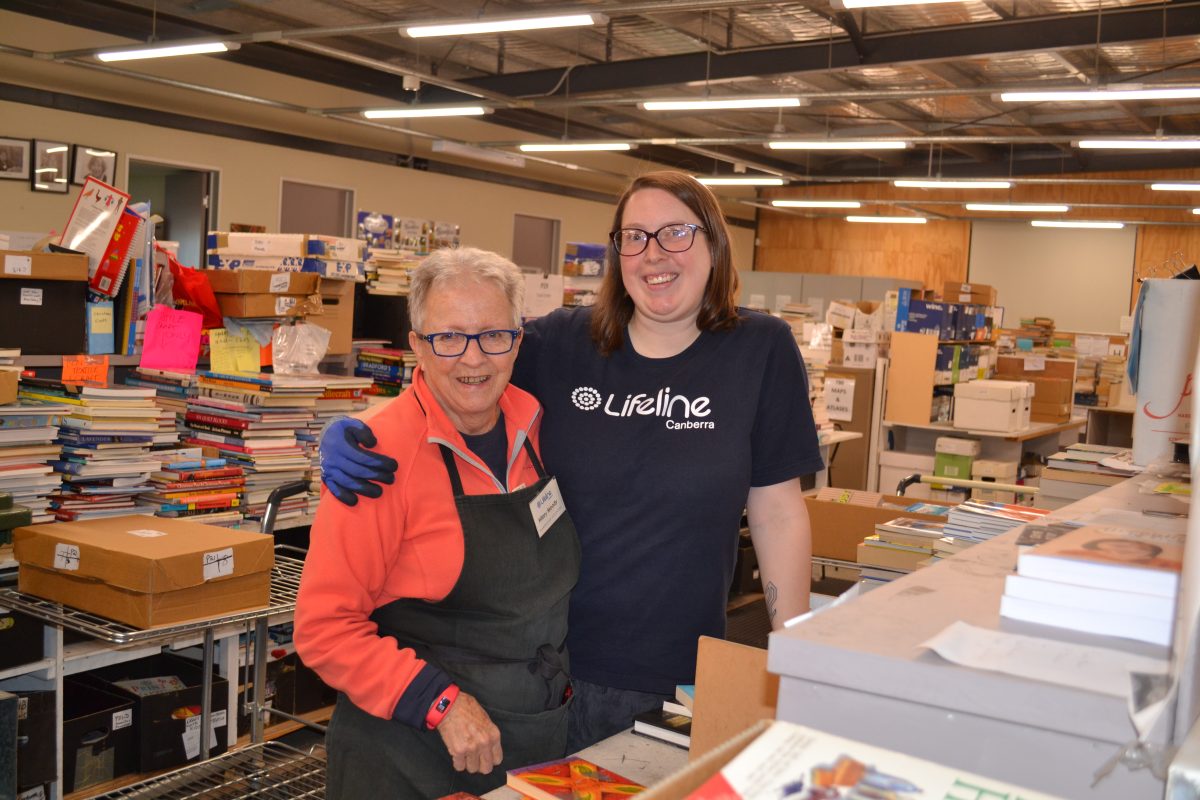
x,y
166,723
990,405
43,298
977,293
23,264
145,571
35,739
336,269
734,692
868,315
339,247
863,356
98,741
838,528
268,305
258,244
584,260
260,281
840,315
956,446
337,300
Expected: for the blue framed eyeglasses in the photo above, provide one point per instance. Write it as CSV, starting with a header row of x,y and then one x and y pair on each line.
x,y
451,344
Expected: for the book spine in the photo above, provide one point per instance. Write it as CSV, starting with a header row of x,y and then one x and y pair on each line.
x,y
217,421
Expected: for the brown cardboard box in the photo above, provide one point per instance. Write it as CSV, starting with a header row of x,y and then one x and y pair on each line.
x,y
145,571
838,528
337,297
26,264
268,305
976,293
686,781
1052,396
262,281
8,385
733,692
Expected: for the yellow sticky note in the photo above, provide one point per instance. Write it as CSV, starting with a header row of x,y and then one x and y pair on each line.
x,y
221,356
102,318
245,352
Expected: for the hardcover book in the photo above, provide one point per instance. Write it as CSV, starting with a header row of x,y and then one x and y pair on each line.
x,y
660,724
570,778
1109,557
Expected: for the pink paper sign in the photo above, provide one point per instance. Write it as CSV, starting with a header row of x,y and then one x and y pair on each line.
x,y
172,339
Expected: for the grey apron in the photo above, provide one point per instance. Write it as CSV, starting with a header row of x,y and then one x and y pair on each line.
x,y
500,634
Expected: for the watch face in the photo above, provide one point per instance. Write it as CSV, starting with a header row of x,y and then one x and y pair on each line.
x,y
443,703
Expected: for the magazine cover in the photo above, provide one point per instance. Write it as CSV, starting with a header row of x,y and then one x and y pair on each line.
x,y
570,779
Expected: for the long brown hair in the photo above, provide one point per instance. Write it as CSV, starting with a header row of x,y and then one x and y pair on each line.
x,y
718,309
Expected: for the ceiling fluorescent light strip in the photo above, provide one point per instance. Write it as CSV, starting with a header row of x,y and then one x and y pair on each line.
x,y
933,183
1048,208
166,51
816,204
826,144
433,111
1175,187
765,180
1102,95
575,147
503,25
898,220
1139,144
1196,210
853,4
1047,223
717,104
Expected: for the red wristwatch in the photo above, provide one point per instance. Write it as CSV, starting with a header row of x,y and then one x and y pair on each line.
x,y
441,707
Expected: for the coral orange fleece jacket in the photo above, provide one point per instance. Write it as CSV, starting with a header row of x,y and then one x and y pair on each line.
x,y
406,544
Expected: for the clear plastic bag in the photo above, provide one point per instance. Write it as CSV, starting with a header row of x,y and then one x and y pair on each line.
x,y
298,349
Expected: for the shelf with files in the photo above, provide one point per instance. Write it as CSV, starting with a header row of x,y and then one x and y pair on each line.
x,y
113,642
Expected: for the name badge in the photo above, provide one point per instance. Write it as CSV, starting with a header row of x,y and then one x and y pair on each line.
x,y
547,507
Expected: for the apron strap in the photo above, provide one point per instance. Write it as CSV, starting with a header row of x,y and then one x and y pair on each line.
x,y
533,457
452,469
547,663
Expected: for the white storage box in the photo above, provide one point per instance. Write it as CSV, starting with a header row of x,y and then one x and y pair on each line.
x,y
840,315
956,446
1001,406
856,354
998,471
895,465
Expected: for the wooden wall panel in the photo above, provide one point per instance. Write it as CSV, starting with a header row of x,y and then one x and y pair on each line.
x,y
793,240
932,253
1161,250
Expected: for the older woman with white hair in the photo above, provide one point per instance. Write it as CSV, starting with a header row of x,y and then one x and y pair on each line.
x,y
440,611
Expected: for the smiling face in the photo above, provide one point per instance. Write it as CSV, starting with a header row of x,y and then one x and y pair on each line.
x,y
467,387
665,287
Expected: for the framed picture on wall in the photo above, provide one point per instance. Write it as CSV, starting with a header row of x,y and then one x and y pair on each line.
x,y
14,159
94,162
49,166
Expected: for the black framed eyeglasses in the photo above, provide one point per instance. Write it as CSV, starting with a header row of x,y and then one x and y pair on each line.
x,y
672,238
451,344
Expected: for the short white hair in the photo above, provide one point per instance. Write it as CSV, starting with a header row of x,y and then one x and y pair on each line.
x,y
464,263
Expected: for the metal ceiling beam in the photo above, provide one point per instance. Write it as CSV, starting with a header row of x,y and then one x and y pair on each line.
x,y
1172,18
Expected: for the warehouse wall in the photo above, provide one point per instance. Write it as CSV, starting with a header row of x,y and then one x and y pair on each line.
x,y
251,174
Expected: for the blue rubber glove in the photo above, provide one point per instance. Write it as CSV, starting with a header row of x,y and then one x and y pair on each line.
x,y
348,469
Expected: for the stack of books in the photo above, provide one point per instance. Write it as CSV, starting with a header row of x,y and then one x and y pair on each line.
x,y
28,431
1100,579
389,369
898,546
252,421
673,722
1082,470
172,389
204,488
388,268
106,439
343,395
980,520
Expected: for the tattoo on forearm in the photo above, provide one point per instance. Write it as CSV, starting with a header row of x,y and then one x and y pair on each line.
x,y
771,592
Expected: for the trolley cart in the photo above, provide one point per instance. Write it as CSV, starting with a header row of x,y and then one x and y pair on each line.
x,y
964,483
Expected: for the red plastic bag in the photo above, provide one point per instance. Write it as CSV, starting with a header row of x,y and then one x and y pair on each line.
x,y
192,292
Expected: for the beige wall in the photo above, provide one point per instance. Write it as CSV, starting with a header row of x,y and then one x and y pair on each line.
x,y
251,174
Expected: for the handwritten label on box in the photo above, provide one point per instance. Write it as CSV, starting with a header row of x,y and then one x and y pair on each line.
x,y
18,265
31,297
66,556
122,719
280,283
84,369
218,564
1035,363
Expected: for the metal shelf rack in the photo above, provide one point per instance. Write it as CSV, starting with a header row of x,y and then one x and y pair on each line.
x,y
274,764
263,771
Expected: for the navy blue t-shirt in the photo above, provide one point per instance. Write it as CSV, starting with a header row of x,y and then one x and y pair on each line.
x,y
655,459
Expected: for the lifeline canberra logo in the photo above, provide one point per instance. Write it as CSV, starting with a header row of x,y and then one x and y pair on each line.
x,y
660,404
